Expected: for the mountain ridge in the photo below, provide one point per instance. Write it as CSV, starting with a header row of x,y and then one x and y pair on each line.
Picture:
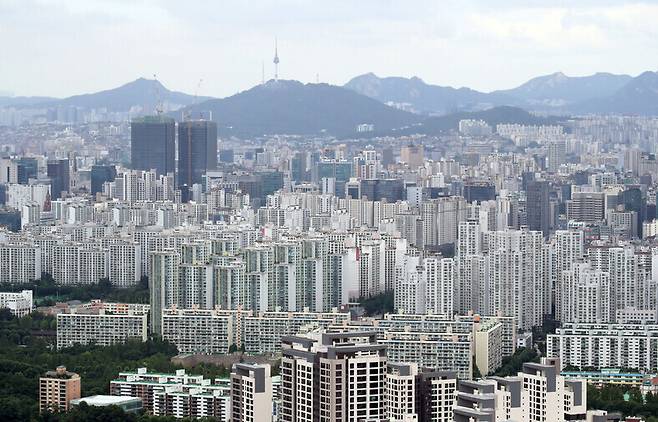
x,y
553,93
140,92
426,98
292,107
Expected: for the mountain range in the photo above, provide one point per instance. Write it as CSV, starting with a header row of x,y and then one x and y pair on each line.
x,y
415,95
391,104
556,93
140,92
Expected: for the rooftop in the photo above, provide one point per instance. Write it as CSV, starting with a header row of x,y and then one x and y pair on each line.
x,y
102,400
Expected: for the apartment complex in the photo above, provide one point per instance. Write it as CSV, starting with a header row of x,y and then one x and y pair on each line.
x,y
605,346
180,394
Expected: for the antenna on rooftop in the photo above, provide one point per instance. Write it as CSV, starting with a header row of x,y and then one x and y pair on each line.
x,y
158,99
196,96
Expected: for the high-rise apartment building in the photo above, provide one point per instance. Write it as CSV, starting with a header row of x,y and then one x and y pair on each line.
x,y
251,393
557,151
585,295
605,346
163,285
400,392
197,150
537,393
336,377
153,144
435,396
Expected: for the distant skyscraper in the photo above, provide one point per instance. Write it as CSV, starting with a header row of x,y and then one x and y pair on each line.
x,y
28,168
58,172
153,144
412,155
298,167
197,150
100,175
538,206
338,171
479,191
271,181
378,189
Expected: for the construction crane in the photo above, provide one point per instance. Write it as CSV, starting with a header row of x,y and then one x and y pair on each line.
x,y
196,97
158,98
187,115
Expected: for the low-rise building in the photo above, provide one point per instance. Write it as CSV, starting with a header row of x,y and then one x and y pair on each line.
x,y
607,376
179,394
127,404
18,303
99,328
202,331
605,346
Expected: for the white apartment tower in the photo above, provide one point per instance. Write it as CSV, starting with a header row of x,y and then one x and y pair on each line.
x,y
400,392
334,377
163,285
251,393
586,295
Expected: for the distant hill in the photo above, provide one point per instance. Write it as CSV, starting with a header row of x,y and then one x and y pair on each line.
x,y
558,90
422,97
295,108
638,96
141,92
556,93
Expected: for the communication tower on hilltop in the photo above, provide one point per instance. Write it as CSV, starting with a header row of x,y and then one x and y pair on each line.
x,y
276,61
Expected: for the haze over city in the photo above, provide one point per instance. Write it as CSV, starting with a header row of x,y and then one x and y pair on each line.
x,y
59,49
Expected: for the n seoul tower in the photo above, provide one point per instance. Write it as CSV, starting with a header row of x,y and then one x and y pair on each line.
x,y
276,61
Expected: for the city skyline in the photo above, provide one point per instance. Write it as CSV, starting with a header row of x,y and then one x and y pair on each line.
x,y
426,211
230,42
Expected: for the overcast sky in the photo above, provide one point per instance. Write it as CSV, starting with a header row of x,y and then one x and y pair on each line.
x,y
62,48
